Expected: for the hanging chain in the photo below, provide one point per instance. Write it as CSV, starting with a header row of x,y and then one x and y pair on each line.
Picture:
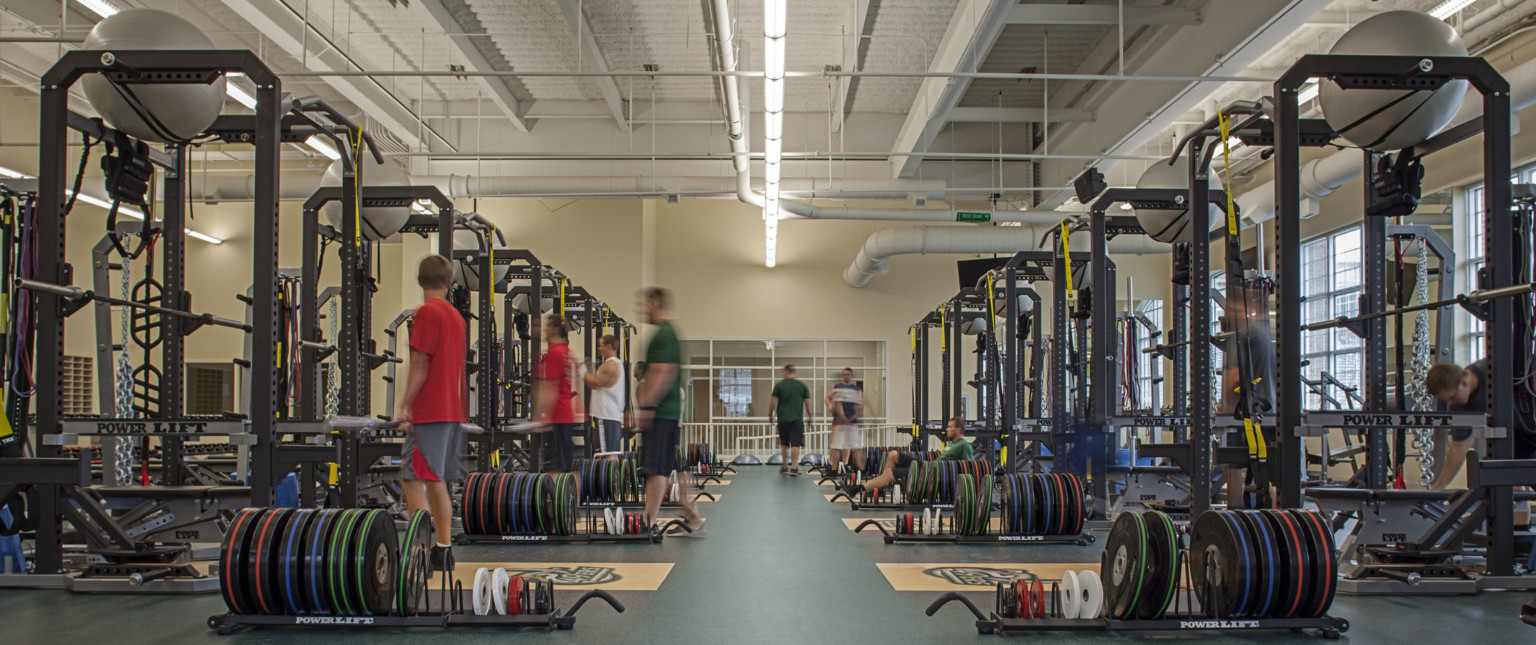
x,y
332,383
1423,438
123,390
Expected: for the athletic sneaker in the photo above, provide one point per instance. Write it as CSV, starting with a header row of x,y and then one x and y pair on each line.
x,y
795,472
853,490
442,558
783,470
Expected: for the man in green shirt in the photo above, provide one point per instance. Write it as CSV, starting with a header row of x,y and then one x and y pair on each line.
x,y
791,404
897,463
661,409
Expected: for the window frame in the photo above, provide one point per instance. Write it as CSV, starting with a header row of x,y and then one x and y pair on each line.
x,y
1327,350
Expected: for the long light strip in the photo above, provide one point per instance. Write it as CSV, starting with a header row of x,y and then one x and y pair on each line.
x,y
99,7
1449,8
239,95
323,147
1308,92
775,19
97,201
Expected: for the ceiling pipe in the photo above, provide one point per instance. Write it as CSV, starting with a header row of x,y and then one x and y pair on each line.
x,y
1487,15
882,245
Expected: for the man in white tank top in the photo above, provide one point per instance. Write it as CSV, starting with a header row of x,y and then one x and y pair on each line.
x,y
606,380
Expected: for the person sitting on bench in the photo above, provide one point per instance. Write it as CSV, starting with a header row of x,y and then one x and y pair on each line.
x,y
1462,391
897,462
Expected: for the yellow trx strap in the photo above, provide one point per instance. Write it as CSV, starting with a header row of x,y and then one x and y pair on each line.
x,y
1066,256
912,336
1226,172
334,476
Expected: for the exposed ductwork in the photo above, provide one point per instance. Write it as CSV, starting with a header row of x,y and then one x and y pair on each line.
x,y
882,245
1319,178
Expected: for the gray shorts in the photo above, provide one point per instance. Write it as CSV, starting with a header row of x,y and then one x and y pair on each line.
x,y
433,452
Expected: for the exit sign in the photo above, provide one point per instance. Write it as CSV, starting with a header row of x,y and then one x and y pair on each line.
x,y
972,216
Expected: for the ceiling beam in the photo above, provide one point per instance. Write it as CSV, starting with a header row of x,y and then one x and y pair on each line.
x,y
1017,115
970,36
1099,14
495,88
852,42
287,30
592,59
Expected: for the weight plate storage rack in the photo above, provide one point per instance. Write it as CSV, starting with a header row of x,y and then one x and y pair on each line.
x,y
285,567
511,508
1263,570
699,460
1040,509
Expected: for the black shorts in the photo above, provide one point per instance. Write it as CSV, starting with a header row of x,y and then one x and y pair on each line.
x,y
557,448
903,467
792,434
658,447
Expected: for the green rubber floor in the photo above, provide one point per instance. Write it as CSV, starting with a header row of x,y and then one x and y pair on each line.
x,y
778,566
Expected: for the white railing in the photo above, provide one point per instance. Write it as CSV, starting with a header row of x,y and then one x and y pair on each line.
x,y
761,440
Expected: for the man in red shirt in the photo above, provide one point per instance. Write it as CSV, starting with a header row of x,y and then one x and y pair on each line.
x,y
433,408
556,407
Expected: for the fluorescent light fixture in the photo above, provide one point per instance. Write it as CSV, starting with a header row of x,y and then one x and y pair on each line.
x,y
775,25
322,146
1234,142
1449,8
1307,92
99,7
773,125
1125,207
771,246
239,95
771,173
97,201
775,18
773,150
422,208
773,95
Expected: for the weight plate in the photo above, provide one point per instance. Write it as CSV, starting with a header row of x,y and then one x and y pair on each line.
x,y
984,516
1322,584
548,597
1018,600
503,519
515,596
1074,486
412,550
1093,594
316,540
1046,504
264,560
1267,563
480,593
1000,601
1037,598
290,571
336,562
1161,577
499,582
1124,564
1293,562
1220,565
376,562
527,596
471,505
1025,505
1063,505
1069,599
231,561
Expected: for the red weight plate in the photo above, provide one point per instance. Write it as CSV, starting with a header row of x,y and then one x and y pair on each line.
x,y
1037,598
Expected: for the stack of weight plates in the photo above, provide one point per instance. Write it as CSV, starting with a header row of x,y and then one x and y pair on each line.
x,y
1262,564
283,561
519,504
1046,504
935,482
608,480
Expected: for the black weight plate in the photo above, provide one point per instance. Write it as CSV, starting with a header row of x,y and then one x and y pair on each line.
x,y
232,576
470,508
1025,506
375,561
1160,582
527,513
1221,565
546,596
316,541
1124,565
1324,579
1063,503
488,512
1267,562
527,596
1046,503
291,570
263,559
338,564
1080,504
1293,559
1069,503
413,551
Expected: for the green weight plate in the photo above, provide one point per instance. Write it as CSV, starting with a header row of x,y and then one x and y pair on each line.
x,y
338,564
1161,576
375,561
1123,564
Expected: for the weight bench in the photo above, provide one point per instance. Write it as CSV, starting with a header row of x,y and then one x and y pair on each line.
x,y
174,514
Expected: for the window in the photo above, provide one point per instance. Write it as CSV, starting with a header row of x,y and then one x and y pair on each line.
x,y
1332,274
735,391
1149,366
1472,254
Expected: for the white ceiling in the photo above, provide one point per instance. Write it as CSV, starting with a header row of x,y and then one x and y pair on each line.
x,y
569,115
